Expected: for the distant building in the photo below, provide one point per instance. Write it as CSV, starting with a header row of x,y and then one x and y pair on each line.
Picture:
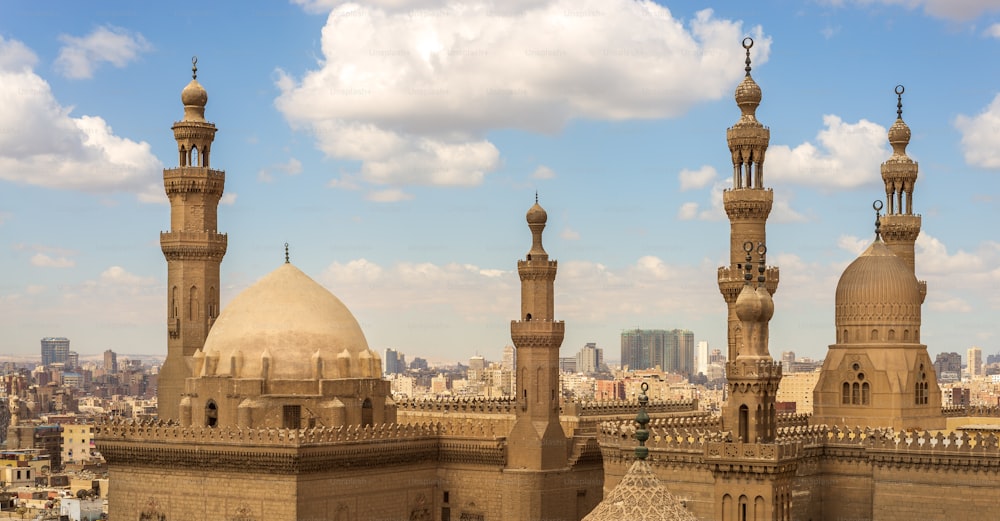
x,y
702,357
975,362
567,364
77,443
948,367
798,388
394,362
670,350
110,362
590,359
418,363
787,360
54,350
509,358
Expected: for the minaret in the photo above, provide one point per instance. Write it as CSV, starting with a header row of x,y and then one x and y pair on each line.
x,y
537,441
747,203
900,226
753,376
193,247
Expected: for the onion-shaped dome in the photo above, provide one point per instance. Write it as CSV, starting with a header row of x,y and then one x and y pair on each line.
x,y
878,299
537,214
293,322
748,305
899,137
194,94
748,95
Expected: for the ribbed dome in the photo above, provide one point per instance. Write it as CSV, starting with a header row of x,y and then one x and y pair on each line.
x,y
878,292
899,137
748,95
639,496
287,317
537,214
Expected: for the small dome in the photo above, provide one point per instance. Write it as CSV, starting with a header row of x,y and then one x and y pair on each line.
x,y
290,319
640,495
879,291
194,94
748,95
766,304
899,137
537,215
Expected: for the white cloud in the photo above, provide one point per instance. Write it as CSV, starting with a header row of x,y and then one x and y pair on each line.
x,y
543,172
847,156
715,211
981,136
700,178
954,304
932,258
118,276
993,30
688,211
42,145
79,56
228,199
292,167
569,234
389,195
852,244
45,261
412,93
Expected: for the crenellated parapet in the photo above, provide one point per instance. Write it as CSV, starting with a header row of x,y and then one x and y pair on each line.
x,y
188,179
627,408
459,405
753,369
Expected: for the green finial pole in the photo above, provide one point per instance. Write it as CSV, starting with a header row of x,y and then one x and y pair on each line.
x,y
642,434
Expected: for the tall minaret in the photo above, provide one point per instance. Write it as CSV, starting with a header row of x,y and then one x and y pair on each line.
x,y
193,247
537,441
753,376
900,226
747,203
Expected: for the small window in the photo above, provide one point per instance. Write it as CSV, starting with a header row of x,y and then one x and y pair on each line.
x,y
292,417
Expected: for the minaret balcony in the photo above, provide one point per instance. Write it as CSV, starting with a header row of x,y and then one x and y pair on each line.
x,y
537,333
760,368
193,179
189,245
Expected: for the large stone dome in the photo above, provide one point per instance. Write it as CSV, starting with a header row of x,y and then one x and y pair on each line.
x,y
878,299
294,322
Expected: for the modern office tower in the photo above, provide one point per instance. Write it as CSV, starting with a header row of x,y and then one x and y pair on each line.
x,y
670,350
394,361
948,366
702,356
54,350
589,359
975,362
110,362
787,360
72,360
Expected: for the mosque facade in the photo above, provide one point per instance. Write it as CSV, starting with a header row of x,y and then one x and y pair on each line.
x,y
275,409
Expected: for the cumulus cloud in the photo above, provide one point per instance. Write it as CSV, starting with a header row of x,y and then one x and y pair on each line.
x,y
846,155
412,94
700,178
714,211
42,144
389,195
543,172
852,244
80,56
993,30
980,136
569,234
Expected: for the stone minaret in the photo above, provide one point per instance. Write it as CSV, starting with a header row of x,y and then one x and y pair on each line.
x,y
753,376
193,247
537,441
747,203
900,226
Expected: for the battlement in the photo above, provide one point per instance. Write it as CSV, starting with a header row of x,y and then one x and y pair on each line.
x,y
741,368
459,405
168,432
188,245
537,333
628,408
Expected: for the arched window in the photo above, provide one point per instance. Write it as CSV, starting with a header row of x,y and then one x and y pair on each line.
x,y
906,334
367,413
865,394
874,335
744,423
193,303
846,338
211,414
892,334
855,393
846,398
194,156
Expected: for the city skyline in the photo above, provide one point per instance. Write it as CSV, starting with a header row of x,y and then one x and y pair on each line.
x,y
397,156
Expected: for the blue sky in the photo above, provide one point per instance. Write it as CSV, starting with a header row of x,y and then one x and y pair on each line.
x,y
397,144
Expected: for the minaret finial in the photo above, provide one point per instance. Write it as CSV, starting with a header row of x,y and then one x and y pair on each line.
x,y
899,101
747,44
536,196
877,206
286,253
194,67
642,434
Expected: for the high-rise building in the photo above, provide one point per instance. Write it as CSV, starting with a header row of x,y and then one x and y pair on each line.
x,y
193,247
54,350
787,360
589,359
975,362
72,360
110,362
948,366
670,350
508,358
702,357
393,361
